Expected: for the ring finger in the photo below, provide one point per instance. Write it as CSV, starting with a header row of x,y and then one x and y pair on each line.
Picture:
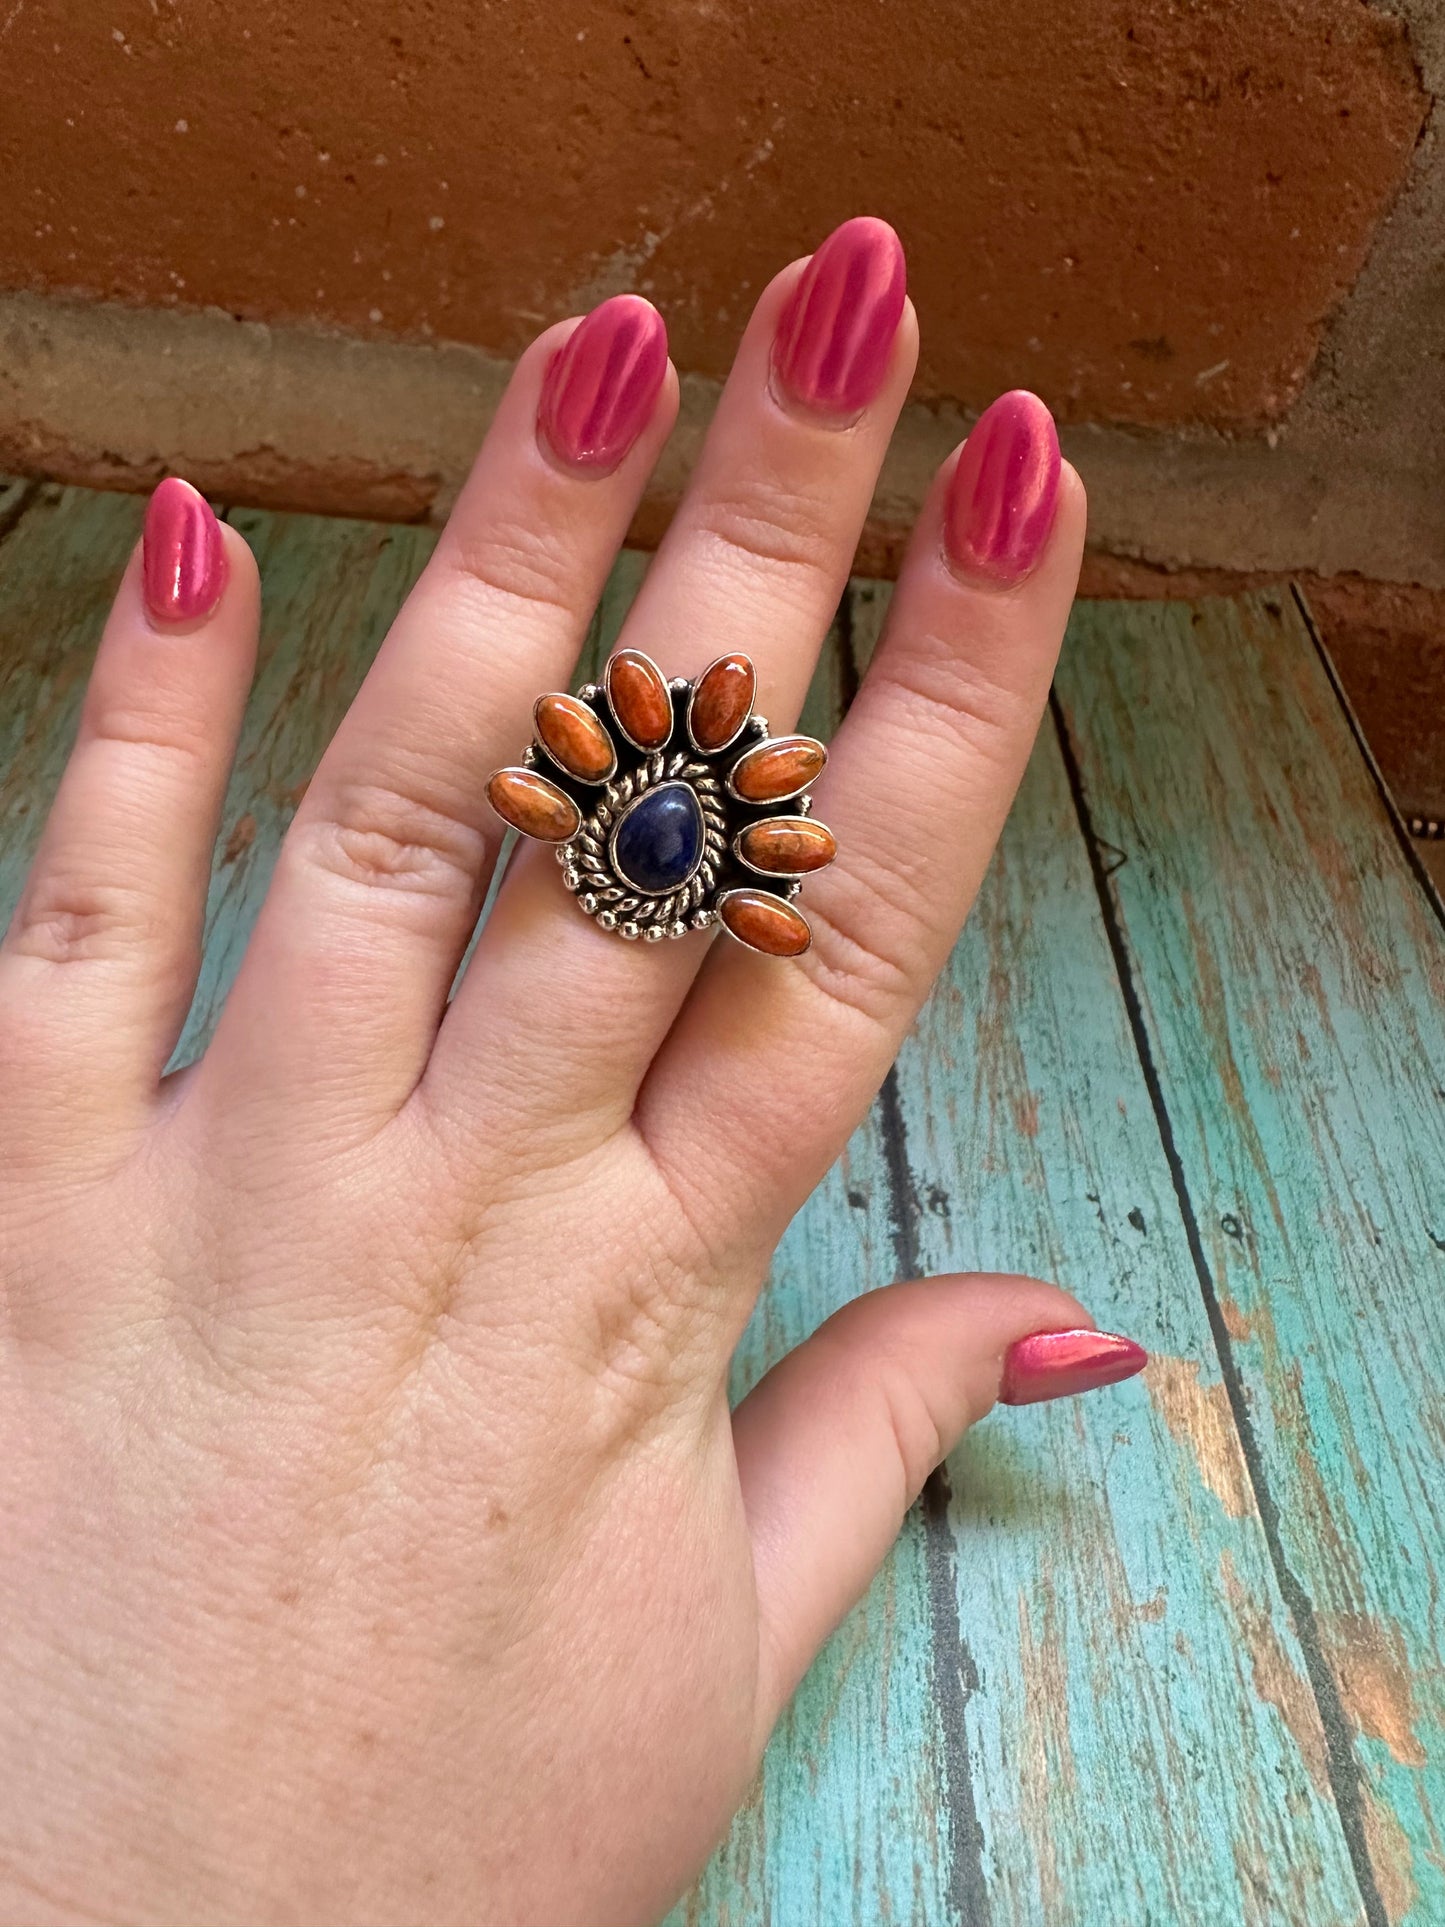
x,y
925,768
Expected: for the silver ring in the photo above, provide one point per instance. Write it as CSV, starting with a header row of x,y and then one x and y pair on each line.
x,y
671,806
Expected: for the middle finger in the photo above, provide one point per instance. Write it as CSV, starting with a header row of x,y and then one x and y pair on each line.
x,y
755,561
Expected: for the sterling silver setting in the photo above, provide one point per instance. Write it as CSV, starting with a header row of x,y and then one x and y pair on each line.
x,y
603,780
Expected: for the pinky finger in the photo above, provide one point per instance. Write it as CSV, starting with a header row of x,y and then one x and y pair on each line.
x,y
99,963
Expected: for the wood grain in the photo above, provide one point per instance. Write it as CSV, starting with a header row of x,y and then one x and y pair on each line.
x,y
1290,977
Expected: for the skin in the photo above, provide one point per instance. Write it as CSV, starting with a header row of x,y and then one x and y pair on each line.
x,y
378,1543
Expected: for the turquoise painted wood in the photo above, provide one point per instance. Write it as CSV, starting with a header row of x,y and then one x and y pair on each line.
x,y
1290,973
1112,1581
1167,1656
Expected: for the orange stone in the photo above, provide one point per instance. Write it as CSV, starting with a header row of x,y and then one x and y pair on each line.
x,y
778,768
533,805
765,923
571,733
786,846
721,702
640,698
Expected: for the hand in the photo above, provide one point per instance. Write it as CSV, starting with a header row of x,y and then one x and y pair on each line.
x,y
378,1543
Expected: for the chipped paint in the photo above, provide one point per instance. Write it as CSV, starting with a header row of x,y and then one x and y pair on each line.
x,y
1235,1322
1391,1858
1199,1418
1375,1683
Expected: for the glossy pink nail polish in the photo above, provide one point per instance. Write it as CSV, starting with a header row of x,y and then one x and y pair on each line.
x,y
1056,1364
833,341
602,384
183,559
1004,491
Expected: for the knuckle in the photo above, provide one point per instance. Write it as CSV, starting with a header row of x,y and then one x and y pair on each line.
x,y
943,691
153,734
65,919
889,1400
377,837
913,1427
765,523
517,564
854,963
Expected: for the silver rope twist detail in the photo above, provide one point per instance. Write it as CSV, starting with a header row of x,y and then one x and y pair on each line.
x,y
587,868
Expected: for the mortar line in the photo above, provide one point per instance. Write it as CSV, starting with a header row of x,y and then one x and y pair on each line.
x,y
1341,1766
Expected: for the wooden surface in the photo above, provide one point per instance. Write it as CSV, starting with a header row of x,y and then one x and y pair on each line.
x,y
1168,1655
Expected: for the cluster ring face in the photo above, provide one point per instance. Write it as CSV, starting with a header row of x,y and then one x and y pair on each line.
x,y
671,806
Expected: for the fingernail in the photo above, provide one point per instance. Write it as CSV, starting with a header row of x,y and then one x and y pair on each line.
x,y
183,559
602,384
1056,1364
1004,491
833,342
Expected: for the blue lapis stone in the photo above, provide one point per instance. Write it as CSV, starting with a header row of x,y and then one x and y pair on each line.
x,y
658,842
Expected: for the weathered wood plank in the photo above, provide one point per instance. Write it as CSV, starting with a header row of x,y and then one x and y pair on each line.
x,y
1290,977
1074,1695
1139,1685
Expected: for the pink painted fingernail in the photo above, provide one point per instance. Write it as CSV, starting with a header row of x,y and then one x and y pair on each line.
x,y
1004,491
1056,1364
602,384
183,559
833,342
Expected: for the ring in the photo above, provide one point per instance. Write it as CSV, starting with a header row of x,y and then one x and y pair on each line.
x,y
671,806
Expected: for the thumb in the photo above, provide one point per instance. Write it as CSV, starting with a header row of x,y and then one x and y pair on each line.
x,y
834,1445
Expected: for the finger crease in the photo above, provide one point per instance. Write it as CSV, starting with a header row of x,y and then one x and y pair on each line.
x,y
856,976
64,921
514,574
767,538
382,839
956,693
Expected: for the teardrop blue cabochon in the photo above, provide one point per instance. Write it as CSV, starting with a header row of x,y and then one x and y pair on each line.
x,y
658,841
